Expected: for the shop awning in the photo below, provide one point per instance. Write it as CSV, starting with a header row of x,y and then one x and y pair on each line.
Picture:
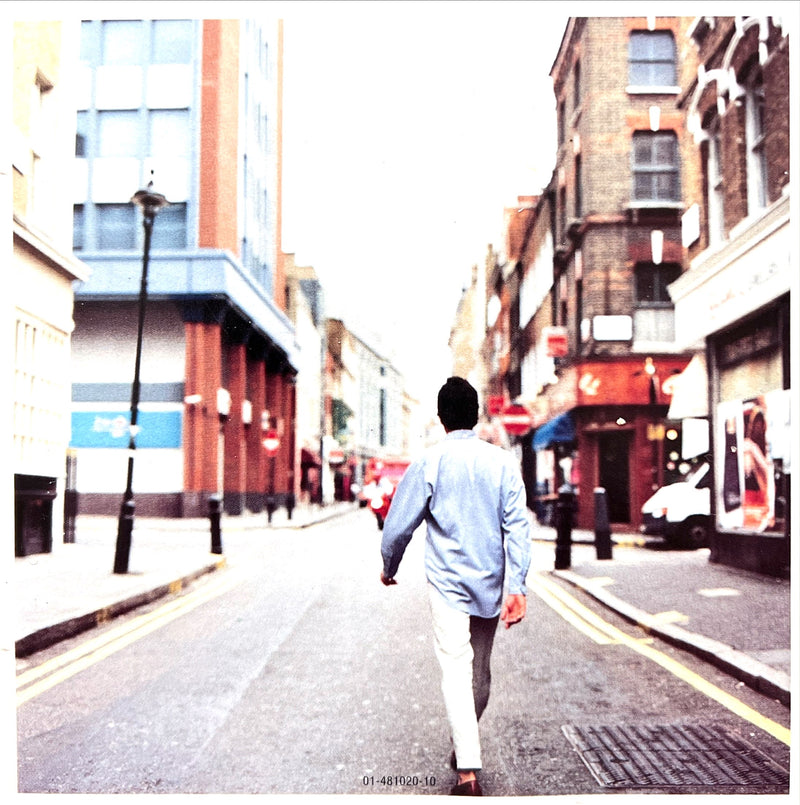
x,y
558,430
690,391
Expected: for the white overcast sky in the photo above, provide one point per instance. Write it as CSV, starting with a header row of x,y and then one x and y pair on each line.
x,y
408,128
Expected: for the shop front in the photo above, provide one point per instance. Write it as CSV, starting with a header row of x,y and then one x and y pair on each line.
x,y
614,436
736,302
752,442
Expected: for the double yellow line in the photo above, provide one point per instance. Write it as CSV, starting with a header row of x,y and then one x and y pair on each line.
x,y
603,633
35,681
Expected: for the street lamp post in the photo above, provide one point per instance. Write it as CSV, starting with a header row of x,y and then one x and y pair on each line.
x,y
150,203
271,444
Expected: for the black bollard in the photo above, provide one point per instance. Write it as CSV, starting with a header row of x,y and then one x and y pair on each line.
x,y
124,534
602,529
214,516
564,508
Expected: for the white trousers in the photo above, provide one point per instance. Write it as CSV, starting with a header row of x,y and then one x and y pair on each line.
x,y
463,647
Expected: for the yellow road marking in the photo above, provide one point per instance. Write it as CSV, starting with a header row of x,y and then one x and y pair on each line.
x,y
66,665
617,636
573,612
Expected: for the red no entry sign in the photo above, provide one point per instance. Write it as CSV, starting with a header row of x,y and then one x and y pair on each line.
x,y
516,419
271,442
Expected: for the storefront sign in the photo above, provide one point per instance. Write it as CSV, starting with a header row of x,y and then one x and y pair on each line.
x,y
612,328
624,382
556,342
748,273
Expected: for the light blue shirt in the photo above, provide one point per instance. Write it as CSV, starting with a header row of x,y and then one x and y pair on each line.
x,y
472,497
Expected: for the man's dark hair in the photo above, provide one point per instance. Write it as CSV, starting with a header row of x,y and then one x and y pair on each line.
x,y
458,405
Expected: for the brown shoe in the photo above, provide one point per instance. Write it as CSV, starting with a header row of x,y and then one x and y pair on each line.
x,y
469,789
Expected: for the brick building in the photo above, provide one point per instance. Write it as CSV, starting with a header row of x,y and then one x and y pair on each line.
x,y
733,304
613,209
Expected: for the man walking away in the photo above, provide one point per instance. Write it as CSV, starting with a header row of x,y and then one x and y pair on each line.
x,y
471,496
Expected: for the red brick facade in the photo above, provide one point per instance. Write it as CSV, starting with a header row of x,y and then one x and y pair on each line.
x,y
603,237
731,52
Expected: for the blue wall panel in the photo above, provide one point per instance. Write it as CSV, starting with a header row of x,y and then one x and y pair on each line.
x,y
110,429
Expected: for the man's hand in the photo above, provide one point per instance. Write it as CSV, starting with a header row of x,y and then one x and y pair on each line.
x,y
387,582
514,609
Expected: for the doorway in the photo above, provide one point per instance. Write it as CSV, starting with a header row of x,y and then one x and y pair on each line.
x,y
613,451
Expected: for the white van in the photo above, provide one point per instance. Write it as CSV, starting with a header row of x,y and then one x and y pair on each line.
x,y
681,512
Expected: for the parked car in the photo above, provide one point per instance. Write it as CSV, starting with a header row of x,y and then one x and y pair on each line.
x,y
381,480
681,512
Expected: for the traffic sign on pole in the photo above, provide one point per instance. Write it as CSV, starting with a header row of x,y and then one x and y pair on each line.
x,y
516,419
271,442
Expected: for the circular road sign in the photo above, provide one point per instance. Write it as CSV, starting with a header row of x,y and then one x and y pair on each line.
x,y
271,442
516,419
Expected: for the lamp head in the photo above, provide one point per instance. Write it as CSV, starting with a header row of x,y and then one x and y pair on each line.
x,y
150,201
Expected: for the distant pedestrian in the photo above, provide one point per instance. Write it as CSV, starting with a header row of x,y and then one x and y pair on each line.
x,y
470,494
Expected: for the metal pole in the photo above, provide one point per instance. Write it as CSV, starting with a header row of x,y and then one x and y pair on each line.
x,y
564,509
214,516
602,528
128,508
271,497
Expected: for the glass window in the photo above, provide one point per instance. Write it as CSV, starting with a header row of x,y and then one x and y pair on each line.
x,y
169,228
116,226
169,133
654,316
655,166
715,193
78,227
172,42
651,59
118,134
652,281
90,42
122,41
80,134
756,155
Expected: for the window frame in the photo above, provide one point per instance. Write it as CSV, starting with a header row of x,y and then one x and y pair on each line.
x,y
650,62
755,140
665,274
654,319
715,194
130,227
144,132
655,169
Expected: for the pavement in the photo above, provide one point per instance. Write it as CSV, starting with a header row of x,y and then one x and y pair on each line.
x,y
740,622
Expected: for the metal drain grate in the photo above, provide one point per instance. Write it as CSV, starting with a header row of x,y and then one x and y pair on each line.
x,y
674,755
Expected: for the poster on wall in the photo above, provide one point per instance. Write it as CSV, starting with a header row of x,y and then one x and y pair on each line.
x,y
753,442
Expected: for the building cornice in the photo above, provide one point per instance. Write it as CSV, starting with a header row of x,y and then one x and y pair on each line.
x,y
712,261
37,242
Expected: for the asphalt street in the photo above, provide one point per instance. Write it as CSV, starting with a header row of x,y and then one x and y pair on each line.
x,y
293,671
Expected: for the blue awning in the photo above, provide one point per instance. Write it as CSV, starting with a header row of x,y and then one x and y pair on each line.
x,y
558,430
